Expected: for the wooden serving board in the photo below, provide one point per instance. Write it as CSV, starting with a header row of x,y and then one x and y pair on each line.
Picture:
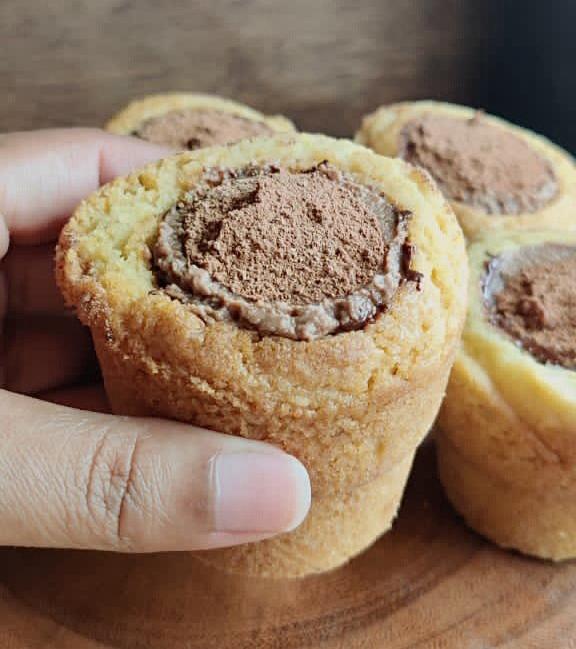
x,y
430,583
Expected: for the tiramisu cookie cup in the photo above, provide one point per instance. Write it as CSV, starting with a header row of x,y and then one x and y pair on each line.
x,y
191,121
507,438
298,289
497,176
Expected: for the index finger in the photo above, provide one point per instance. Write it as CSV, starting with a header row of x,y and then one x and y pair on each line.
x,y
45,174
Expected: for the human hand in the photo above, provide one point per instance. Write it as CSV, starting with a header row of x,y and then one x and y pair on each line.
x,y
73,477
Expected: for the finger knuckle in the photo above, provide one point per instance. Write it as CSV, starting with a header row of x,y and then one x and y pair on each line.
x,y
113,484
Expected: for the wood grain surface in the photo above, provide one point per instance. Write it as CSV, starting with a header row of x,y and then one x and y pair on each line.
x,y
322,62
430,584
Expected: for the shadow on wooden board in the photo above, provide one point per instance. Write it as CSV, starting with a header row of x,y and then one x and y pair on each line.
x,y
430,583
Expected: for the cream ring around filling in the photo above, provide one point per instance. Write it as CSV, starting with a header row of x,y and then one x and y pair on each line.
x,y
299,254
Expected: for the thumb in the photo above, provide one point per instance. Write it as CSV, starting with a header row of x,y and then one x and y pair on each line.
x,y
70,478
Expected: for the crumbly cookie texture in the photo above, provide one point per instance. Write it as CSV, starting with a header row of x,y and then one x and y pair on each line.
x,y
507,426
352,406
548,203
139,112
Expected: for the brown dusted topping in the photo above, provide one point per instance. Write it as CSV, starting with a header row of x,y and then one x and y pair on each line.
x,y
531,295
296,238
194,128
300,254
479,164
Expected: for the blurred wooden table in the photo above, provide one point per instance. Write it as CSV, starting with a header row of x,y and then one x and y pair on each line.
x,y
324,63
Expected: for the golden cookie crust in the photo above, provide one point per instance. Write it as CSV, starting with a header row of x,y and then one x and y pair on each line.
x,y
507,438
130,118
381,131
352,407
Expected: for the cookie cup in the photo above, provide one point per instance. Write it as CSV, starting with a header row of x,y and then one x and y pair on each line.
x,y
353,406
381,130
507,428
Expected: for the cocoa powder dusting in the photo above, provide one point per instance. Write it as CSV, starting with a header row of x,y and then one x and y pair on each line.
x,y
285,237
479,164
192,128
532,296
300,254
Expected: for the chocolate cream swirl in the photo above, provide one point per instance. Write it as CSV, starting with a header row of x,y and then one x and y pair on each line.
x,y
298,254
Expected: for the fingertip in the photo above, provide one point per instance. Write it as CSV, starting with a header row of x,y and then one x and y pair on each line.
x,y
66,165
4,237
302,493
259,493
124,153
